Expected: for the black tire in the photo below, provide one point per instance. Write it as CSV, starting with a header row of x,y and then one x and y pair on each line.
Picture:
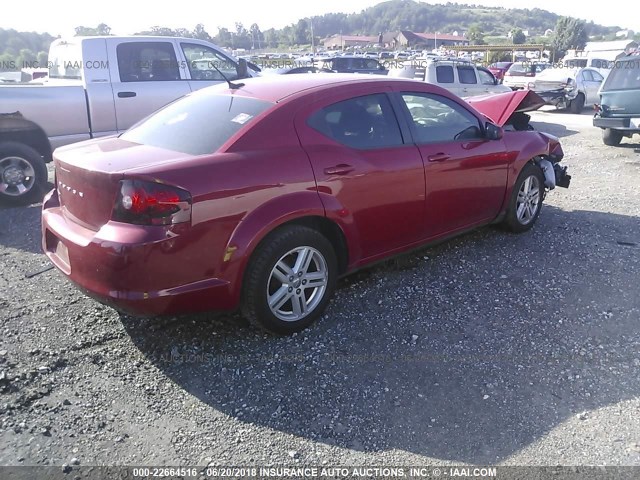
x,y
21,167
577,104
611,137
513,221
258,281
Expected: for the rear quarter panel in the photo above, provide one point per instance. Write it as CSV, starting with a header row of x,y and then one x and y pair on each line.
x,y
240,196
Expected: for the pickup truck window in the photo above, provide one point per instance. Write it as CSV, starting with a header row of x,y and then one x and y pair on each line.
x,y
197,124
467,75
203,62
444,74
486,78
147,62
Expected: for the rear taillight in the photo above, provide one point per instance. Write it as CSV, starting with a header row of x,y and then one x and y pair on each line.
x,y
150,203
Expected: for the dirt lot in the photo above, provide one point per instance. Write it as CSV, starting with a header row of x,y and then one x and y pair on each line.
x,y
489,349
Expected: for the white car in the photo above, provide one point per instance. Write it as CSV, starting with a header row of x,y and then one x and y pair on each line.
x,y
520,74
572,88
459,77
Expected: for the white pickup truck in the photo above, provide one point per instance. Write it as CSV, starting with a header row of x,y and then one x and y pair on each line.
x,y
97,86
460,77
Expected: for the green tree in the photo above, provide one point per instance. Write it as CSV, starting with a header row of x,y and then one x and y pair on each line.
x,y
301,33
101,29
200,33
256,36
518,37
475,35
570,33
42,59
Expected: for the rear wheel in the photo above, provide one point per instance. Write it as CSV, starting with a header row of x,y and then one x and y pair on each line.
x,y
526,199
611,137
289,280
577,104
23,174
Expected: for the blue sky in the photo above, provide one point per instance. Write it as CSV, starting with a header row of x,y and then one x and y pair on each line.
x,y
129,16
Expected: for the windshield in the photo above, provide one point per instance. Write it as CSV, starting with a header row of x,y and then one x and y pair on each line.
x,y
625,76
196,124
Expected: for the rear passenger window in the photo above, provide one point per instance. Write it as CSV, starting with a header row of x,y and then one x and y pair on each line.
x,y
467,75
444,74
364,122
147,62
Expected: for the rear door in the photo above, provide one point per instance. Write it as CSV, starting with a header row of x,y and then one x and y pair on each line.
x,y
146,76
362,164
592,81
444,76
466,174
470,86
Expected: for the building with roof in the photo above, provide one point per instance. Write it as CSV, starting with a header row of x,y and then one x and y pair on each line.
x,y
340,41
408,39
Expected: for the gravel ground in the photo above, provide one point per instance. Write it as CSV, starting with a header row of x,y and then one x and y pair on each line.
x,y
492,348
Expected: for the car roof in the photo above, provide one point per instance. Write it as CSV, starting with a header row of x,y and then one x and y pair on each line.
x,y
276,88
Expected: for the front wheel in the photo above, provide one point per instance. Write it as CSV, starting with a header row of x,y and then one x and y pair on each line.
x,y
290,280
23,174
526,199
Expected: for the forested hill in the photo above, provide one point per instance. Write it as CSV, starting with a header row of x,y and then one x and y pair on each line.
x,y
397,15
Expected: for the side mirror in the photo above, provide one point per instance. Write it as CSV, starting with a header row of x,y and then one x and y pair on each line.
x,y
493,131
243,69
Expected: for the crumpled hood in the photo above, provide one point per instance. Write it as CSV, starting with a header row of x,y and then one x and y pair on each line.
x,y
500,106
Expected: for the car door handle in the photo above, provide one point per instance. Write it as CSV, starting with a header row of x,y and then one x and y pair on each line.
x,y
126,94
438,157
341,169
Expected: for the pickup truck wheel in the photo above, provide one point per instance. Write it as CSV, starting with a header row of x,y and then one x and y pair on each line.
x,y
23,174
526,199
289,280
577,104
611,137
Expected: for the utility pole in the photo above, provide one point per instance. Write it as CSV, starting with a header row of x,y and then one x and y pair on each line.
x,y
313,44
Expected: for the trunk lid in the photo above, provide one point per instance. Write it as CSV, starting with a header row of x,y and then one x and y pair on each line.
x,y
553,79
88,176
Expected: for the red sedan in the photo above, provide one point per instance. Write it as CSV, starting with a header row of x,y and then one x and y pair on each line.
x,y
260,195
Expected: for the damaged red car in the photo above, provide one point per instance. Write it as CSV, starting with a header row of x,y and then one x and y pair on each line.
x,y
258,196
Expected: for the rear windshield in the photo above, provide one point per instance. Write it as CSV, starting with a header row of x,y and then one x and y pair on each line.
x,y
625,76
196,124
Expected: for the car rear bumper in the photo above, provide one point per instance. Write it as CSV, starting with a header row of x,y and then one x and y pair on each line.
x,y
129,267
555,98
630,124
